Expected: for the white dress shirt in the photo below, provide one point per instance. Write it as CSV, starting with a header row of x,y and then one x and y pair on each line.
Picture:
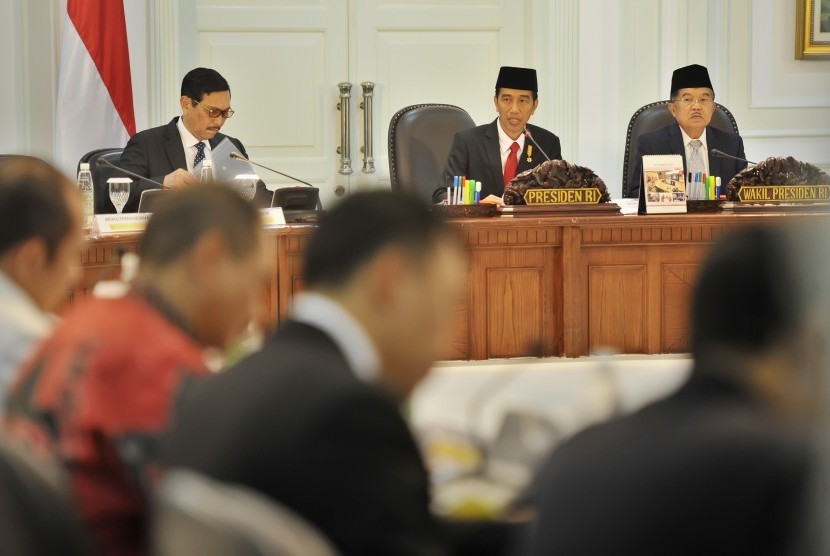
x,y
22,325
504,145
704,153
189,144
324,313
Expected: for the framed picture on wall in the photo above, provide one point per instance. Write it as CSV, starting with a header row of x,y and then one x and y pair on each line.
x,y
812,29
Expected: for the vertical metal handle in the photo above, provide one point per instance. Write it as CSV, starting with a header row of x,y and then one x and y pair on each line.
x,y
345,148
366,106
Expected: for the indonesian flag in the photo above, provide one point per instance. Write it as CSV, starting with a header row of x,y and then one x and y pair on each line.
x,y
95,94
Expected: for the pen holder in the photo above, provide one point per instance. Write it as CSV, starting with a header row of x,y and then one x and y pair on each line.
x,y
699,205
465,211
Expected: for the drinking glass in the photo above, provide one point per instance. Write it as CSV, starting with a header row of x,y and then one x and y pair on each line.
x,y
119,192
245,185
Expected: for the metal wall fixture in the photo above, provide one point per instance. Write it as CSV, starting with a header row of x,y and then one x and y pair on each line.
x,y
345,148
366,106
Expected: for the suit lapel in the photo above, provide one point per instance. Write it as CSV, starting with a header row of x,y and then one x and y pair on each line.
x,y
712,143
173,146
216,140
676,145
492,154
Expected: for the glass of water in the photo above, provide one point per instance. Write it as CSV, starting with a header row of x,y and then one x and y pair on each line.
x,y
245,185
119,192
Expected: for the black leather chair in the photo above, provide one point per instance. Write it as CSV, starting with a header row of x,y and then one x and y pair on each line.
x,y
652,117
195,514
100,174
37,515
420,137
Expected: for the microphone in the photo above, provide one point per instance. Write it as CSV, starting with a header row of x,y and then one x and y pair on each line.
x,y
541,150
236,156
106,162
721,154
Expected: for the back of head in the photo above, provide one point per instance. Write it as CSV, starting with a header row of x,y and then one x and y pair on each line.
x,y
199,82
750,294
33,203
361,226
186,215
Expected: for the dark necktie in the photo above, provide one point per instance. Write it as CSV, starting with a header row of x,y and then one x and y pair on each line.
x,y
200,153
511,164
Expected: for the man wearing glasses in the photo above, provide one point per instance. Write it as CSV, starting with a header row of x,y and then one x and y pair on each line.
x,y
692,105
168,154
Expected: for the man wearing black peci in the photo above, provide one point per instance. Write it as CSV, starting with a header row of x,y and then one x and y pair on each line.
x,y
168,154
692,105
495,153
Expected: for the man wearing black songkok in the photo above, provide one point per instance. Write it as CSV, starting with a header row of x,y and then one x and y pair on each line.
x,y
692,105
495,153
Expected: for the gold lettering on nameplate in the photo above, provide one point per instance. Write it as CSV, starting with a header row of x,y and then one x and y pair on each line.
x,y
784,193
580,196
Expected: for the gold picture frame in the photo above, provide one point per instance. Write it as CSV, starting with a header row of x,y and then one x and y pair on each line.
x,y
812,29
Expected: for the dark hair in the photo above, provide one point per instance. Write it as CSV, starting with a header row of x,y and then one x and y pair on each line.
x,y
202,81
33,197
750,292
534,93
361,226
185,215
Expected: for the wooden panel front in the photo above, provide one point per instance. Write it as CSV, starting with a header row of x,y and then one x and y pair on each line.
x,y
515,306
678,282
538,286
617,308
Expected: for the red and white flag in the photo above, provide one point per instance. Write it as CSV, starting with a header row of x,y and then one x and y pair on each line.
x,y
95,94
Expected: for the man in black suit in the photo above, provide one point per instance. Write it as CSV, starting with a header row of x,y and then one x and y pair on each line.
x,y
692,105
168,154
313,420
720,466
495,153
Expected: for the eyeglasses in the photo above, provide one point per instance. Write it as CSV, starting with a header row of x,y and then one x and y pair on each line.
x,y
688,102
215,112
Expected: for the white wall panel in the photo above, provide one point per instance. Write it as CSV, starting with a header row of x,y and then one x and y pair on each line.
x,y
12,98
276,80
598,60
778,79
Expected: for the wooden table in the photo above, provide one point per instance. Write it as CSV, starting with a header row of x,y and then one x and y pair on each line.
x,y
538,286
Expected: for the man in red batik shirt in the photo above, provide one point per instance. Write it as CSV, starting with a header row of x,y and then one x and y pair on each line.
x,y
102,388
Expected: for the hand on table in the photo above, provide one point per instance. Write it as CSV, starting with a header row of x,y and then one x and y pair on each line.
x,y
178,179
492,200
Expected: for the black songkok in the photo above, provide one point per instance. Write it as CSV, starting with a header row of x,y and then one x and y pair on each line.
x,y
523,79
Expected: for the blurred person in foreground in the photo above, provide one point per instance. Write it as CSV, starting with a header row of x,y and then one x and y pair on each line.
x,y
40,244
101,389
313,420
720,466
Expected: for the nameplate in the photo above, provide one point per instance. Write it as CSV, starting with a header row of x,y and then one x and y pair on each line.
x,y
272,216
120,223
784,193
549,196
